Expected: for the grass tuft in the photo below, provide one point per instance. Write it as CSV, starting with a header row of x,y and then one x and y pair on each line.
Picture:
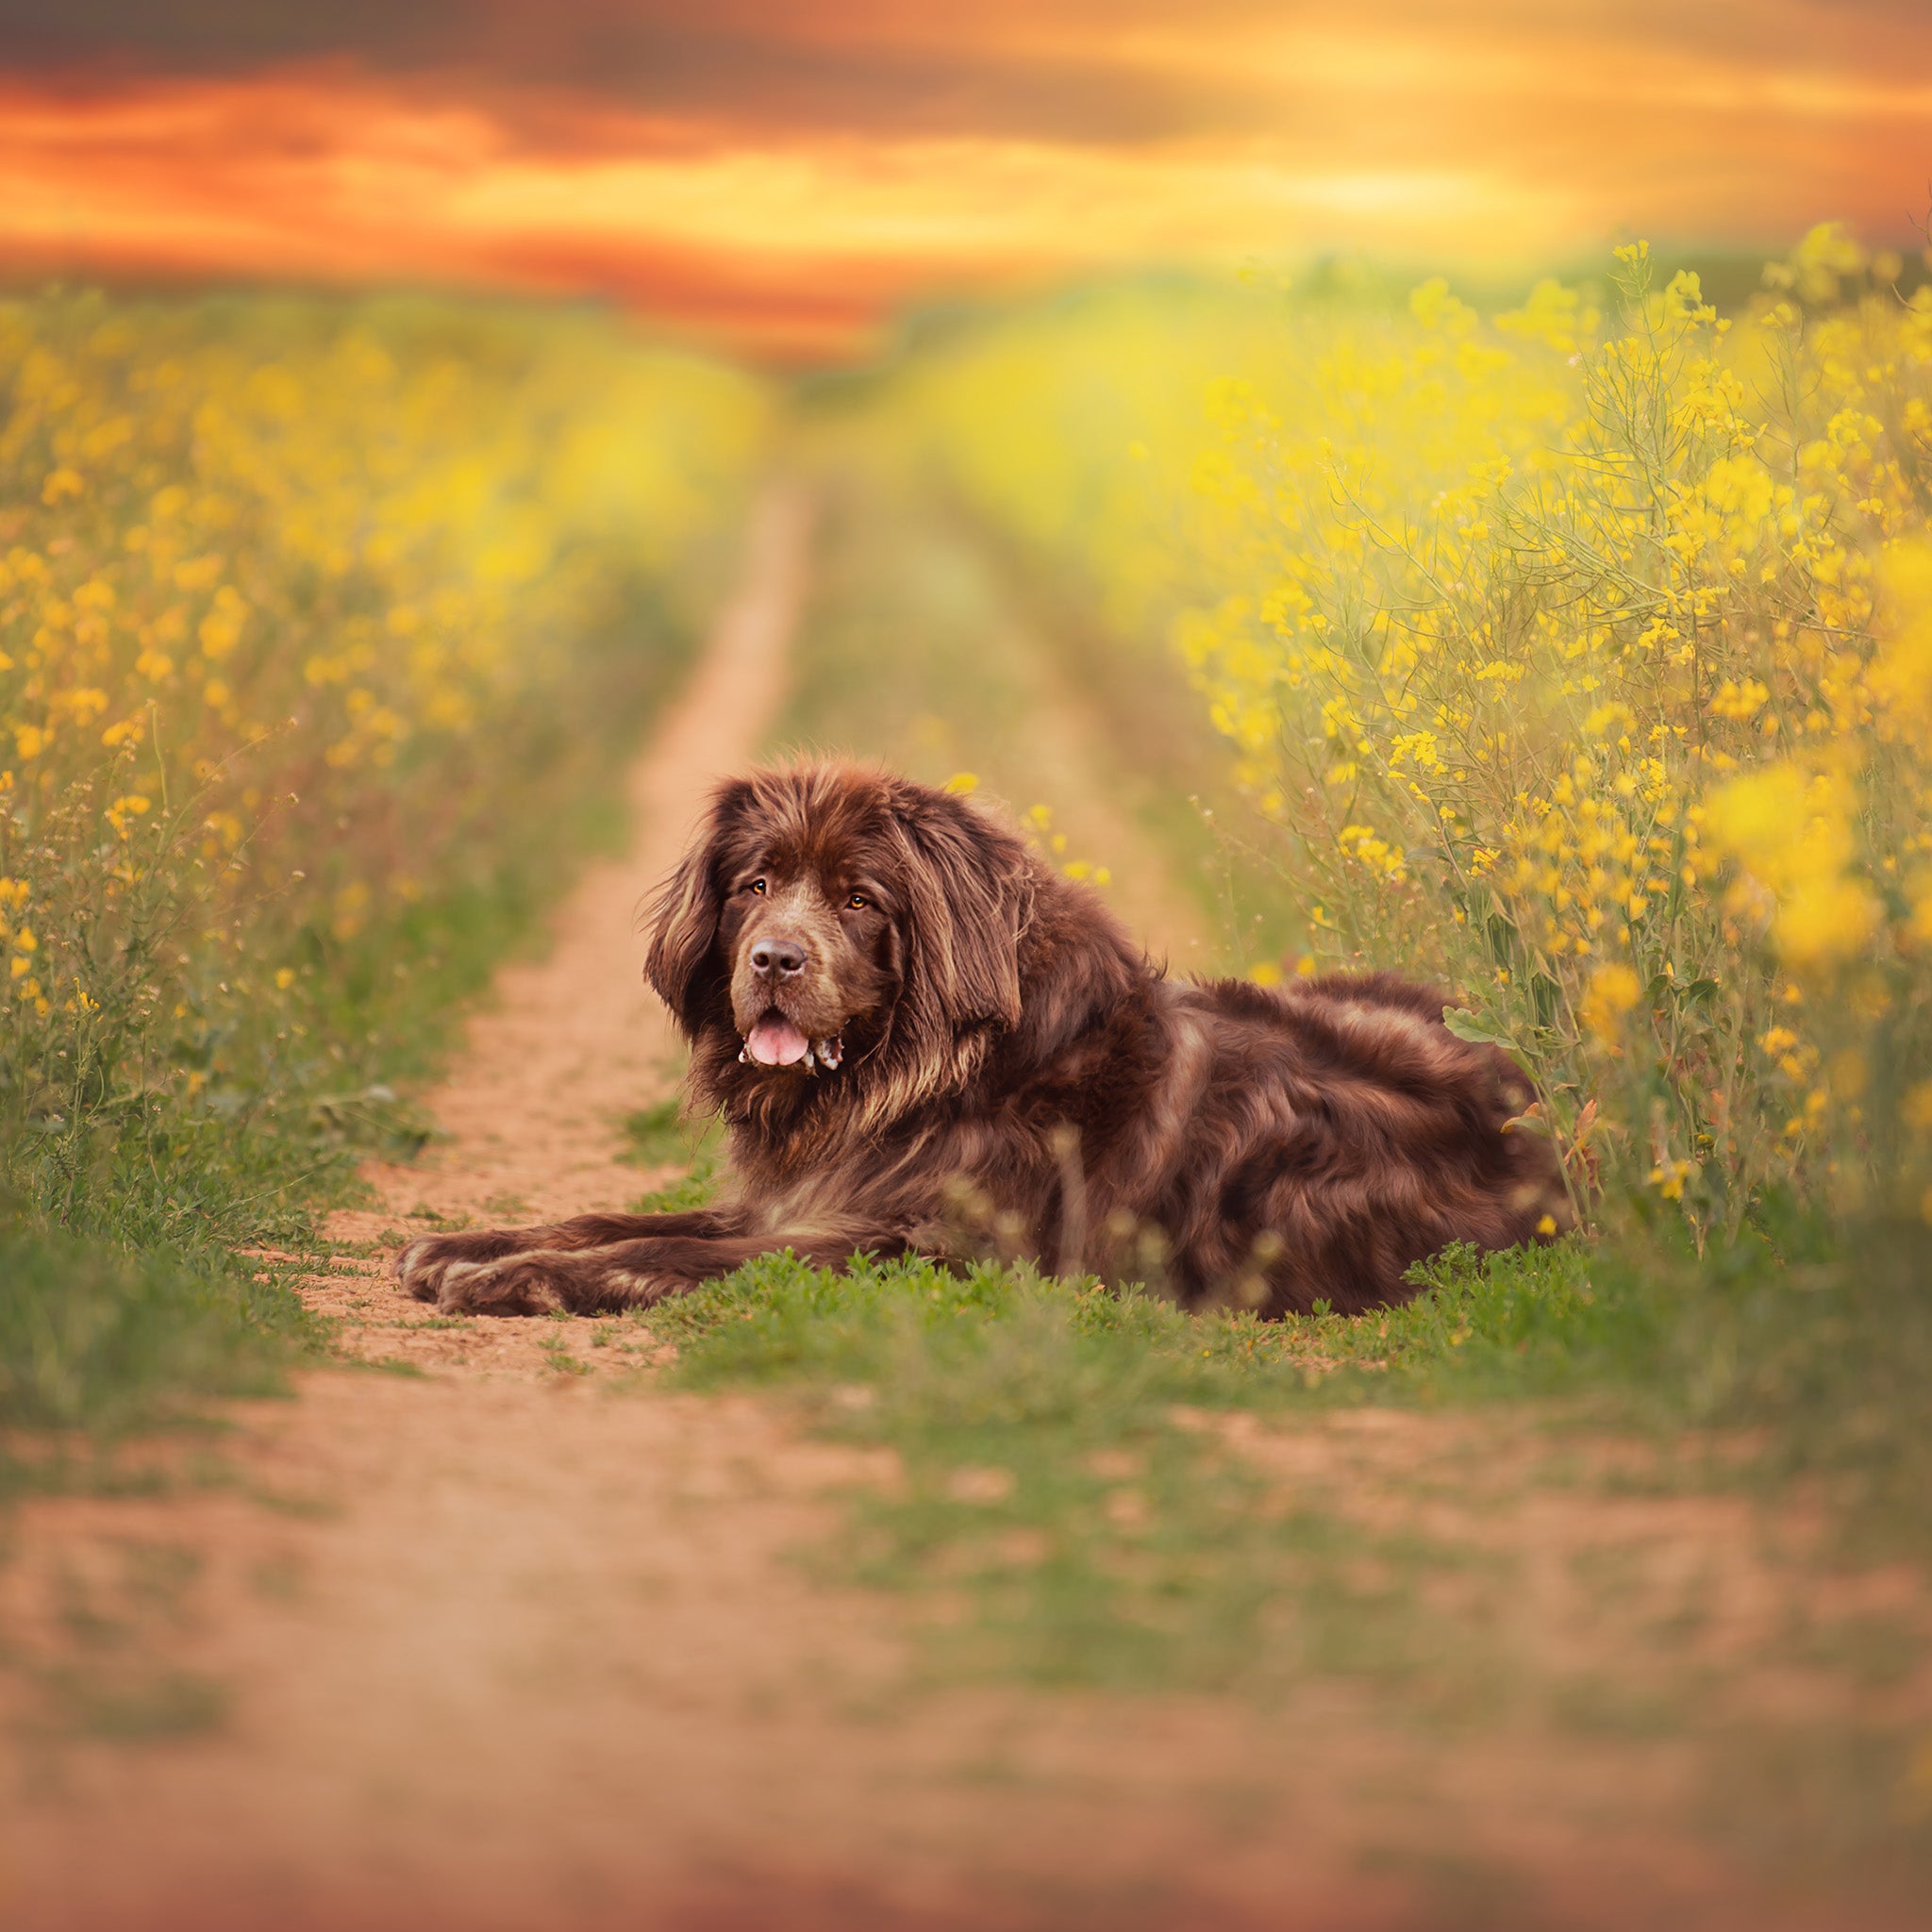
x,y
662,1135
94,1339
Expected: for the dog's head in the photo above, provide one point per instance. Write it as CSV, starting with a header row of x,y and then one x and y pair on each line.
x,y
832,925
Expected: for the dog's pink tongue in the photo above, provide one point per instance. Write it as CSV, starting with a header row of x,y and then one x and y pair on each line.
x,y
774,1042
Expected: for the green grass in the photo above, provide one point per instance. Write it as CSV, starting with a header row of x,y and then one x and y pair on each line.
x,y
142,1705
1095,1491
1057,1474
1172,771
1805,1352
1815,1340
1780,1375
661,1137
96,1340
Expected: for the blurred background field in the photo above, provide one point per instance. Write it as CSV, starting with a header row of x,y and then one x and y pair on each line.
x,y
1451,493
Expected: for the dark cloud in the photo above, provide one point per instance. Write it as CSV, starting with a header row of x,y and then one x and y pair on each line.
x,y
778,67
220,36
1068,70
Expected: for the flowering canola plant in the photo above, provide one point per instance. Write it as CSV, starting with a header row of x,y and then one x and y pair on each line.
x,y
1579,654
294,599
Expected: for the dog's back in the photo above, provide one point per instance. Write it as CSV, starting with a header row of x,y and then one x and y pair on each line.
x,y
1344,1134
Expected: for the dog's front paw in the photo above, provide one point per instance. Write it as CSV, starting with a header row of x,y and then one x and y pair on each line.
x,y
420,1267
424,1266
537,1284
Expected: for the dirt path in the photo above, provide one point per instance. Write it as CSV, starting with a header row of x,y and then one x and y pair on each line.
x,y
530,1116
573,1042
515,1642
920,653
1058,740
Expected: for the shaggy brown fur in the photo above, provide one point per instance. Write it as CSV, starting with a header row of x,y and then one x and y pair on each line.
x,y
926,1040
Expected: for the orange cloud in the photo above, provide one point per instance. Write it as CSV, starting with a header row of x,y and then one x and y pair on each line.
x,y
790,204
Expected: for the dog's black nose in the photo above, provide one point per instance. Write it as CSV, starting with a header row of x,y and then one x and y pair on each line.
x,y
785,956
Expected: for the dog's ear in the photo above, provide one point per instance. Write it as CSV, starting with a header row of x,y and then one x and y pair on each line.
x,y
969,887
684,915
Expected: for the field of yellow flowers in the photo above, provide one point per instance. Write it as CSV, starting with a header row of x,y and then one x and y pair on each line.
x,y
319,624
1576,649
1579,653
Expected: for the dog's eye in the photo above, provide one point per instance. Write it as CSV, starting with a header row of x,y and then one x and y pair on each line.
x,y
858,903
757,886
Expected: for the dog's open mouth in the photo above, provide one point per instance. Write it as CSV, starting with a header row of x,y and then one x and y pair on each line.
x,y
776,1042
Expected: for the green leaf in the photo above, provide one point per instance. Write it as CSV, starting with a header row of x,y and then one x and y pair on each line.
x,y
1465,1026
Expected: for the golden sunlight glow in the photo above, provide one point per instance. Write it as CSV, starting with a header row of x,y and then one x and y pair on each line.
x,y
1407,134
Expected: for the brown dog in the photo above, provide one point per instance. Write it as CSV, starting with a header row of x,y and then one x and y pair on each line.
x,y
926,1040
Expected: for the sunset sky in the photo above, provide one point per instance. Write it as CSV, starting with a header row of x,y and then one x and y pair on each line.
x,y
784,175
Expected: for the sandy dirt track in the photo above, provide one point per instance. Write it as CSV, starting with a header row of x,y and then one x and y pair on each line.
x,y
508,1646
571,1043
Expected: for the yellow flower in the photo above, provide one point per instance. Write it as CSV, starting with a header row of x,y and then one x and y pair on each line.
x,y
1791,831
1614,988
221,630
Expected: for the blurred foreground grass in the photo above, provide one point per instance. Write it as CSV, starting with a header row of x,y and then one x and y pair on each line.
x,y
95,1338
1521,1514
